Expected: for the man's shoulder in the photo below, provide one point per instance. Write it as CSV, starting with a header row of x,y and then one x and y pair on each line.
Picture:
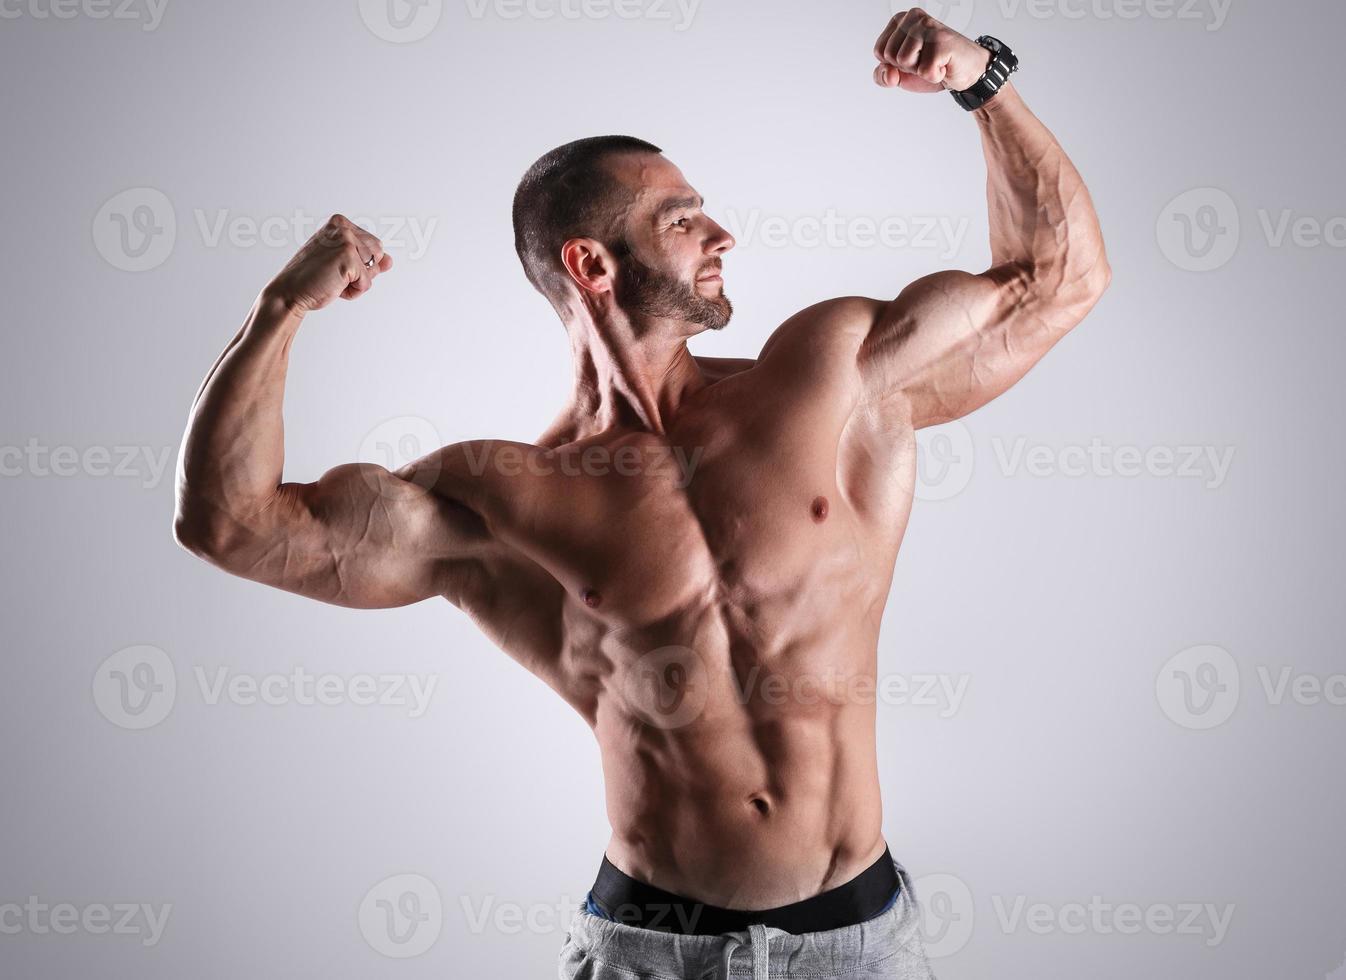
x,y
831,326
821,341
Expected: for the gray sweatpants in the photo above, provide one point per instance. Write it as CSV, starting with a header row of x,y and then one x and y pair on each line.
x,y
889,947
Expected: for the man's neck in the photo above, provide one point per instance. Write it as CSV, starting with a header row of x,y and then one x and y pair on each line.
x,y
630,373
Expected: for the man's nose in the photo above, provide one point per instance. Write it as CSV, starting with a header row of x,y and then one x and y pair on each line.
x,y
720,241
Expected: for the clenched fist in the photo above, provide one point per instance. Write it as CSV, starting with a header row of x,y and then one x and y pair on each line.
x,y
341,259
918,53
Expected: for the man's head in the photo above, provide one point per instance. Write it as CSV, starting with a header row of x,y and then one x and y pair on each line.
x,y
610,217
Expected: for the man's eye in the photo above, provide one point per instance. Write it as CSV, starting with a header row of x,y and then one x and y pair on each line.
x,y
680,222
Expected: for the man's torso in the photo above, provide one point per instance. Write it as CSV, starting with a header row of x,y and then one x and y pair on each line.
x,y
709,600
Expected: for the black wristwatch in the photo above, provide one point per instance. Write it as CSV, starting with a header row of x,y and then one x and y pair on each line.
x,y
1003,63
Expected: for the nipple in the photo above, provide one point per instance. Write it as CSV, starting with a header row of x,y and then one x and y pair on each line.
x,y
819,509
591,598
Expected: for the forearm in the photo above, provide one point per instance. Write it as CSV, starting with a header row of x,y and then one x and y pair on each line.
x,y
233,452
1042,219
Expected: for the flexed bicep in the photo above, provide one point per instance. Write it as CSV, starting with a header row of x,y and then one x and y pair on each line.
x,y
952,341
359,536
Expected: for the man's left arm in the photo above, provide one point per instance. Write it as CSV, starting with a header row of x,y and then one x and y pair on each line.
x,y
952,341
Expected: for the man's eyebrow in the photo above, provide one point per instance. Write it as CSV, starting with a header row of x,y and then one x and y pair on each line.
x,y
677,204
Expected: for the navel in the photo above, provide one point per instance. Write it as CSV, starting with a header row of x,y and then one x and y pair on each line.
x,y
591,598
760,805
819,509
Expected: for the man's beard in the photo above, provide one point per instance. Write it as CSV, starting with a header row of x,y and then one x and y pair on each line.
x,y
642,289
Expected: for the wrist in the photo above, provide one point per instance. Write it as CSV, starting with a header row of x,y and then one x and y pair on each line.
x,y
997,103
1000,63
274,305
975,70
274,311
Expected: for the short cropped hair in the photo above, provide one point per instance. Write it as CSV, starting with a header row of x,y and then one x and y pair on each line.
x,y
569,193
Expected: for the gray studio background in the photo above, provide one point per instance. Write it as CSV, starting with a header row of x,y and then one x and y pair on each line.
x,y
1129,565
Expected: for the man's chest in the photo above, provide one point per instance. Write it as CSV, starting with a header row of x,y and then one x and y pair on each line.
x,y
747,504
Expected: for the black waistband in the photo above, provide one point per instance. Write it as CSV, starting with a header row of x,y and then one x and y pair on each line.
x,y
635,903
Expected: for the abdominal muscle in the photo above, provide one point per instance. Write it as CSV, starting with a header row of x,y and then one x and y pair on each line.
x,y
741,781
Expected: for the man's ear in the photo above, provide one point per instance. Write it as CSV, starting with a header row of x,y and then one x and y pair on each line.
x,y
589,264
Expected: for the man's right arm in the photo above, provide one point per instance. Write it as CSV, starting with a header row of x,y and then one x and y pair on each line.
x,y
361,535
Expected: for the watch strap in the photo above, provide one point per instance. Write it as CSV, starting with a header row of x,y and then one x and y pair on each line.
x,y
1003,64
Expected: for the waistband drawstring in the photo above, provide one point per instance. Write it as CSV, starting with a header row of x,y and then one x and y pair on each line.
x,y
760,948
